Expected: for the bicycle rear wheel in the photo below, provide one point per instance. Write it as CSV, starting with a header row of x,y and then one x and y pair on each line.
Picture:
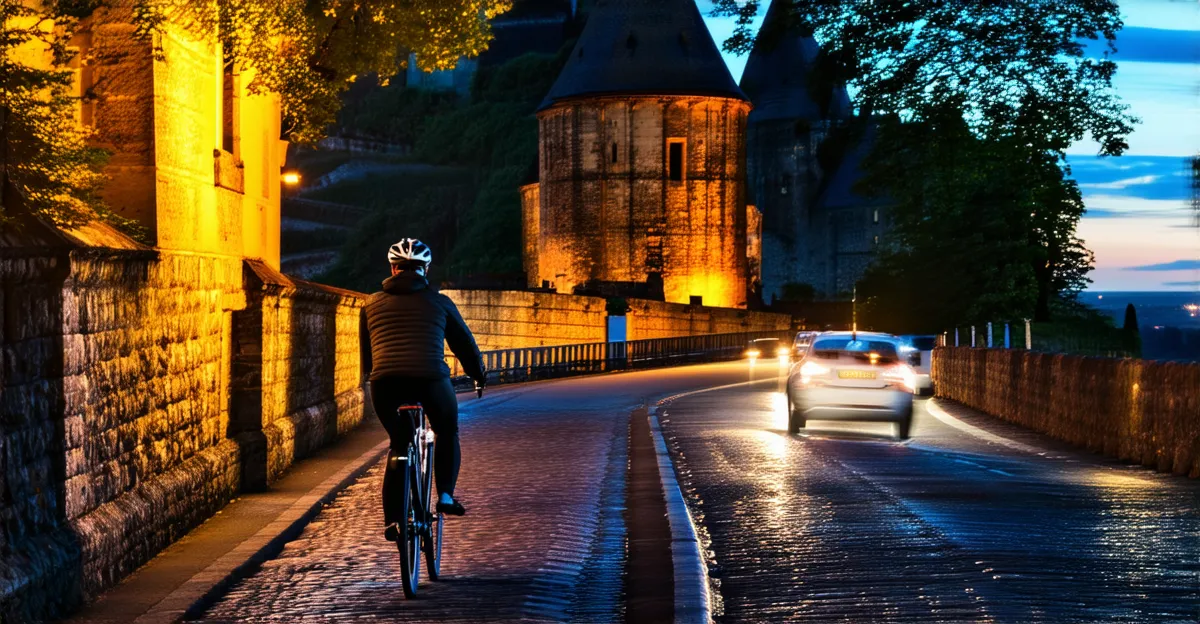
x,y
433,541
409,542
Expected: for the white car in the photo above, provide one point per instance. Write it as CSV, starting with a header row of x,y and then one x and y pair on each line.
x,y
852,376
918,351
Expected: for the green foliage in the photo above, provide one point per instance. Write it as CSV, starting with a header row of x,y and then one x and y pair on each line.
x,y
489,239
982,230
308,51
1013,67
430,215
46,167
976,103
394,113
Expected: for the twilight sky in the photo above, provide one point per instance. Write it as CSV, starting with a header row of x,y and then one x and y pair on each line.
x,y
1139,222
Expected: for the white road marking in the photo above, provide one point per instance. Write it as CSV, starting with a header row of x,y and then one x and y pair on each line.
x,y
937,412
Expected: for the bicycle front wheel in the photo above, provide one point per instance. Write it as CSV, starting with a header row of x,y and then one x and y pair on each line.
x,y
433,541
409,542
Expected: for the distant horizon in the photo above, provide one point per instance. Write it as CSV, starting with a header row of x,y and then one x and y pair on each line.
x,y
1139,214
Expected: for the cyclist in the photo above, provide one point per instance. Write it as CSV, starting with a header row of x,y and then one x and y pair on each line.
x,y
403,329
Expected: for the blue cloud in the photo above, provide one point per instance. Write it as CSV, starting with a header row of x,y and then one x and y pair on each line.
x,y
1152,45
1177,265
1144,177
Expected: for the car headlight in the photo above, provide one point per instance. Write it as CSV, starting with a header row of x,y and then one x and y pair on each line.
x,y
782,351
753,353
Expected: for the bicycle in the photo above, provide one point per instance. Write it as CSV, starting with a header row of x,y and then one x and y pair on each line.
x,y
420,527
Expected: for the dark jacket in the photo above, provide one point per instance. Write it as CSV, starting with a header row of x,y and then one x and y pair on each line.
x,y
404,328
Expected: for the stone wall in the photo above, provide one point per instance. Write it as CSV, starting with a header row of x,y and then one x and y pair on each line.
x,y
655,319
514,319
1135,410
310,386
119,428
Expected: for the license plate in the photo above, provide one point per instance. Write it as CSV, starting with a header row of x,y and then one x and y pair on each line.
x,y
856,374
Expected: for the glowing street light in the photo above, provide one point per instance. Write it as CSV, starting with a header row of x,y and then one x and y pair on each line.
x,y
290,178
1192,309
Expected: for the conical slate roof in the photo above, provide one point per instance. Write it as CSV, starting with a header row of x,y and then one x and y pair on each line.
x,y
777,73
644,47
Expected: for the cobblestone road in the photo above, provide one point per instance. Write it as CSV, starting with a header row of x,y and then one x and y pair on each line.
x,y
543,479
842,523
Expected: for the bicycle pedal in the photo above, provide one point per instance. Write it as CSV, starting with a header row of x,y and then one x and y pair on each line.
x,y
392,532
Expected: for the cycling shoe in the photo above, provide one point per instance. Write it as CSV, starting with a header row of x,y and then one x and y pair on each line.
x,y
392,532
451,509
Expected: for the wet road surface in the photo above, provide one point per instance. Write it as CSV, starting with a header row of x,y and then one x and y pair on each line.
x,y
971,520
543,479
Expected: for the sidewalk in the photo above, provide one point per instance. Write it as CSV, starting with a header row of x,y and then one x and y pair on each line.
x,y
249,529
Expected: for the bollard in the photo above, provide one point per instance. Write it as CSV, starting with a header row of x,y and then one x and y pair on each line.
x,y
1028,335
972,335
989,336
1007,337
956,336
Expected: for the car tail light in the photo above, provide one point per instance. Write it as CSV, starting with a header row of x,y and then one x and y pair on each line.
x,y
900,376
811,369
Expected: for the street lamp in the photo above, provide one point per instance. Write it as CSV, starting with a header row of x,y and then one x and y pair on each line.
x,y
290,178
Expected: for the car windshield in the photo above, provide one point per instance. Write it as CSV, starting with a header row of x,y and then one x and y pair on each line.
x,y
861,348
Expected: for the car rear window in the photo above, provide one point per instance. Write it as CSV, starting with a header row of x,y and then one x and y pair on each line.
x,y
835,348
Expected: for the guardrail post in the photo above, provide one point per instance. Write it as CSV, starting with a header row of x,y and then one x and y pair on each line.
x,y
989,336
972,335
1007,338
956,336
1028,335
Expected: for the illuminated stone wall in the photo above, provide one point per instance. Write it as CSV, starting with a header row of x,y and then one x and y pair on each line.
x,y
160,117
1130,409
609,210
305,343
125,393
514,319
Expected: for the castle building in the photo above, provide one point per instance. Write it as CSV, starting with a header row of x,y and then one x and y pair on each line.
x,y
641,177
817,232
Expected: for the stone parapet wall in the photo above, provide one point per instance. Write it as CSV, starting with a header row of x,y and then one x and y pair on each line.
x,y
516,319
123,423
1135,410
656,319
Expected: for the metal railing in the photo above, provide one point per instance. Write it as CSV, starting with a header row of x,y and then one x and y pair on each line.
x,y
516,365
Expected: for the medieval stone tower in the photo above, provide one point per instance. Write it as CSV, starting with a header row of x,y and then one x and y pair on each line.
x,y
816,231
641,162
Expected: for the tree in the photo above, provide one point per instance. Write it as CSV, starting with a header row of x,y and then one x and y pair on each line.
x,y
975,103
1015,67
982,230
1131,322
46,168
309,51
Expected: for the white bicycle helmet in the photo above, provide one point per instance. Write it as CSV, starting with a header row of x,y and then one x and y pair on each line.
x,y
410,250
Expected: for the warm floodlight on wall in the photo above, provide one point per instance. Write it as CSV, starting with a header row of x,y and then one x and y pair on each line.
x,y
290,178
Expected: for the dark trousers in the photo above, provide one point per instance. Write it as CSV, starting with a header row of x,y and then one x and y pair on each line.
x,y
441,409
